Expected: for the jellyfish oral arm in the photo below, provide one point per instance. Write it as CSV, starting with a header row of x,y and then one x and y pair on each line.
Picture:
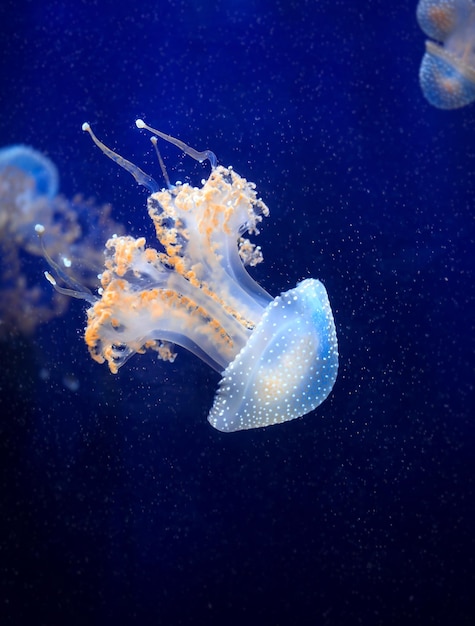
x,y
140,176
194,154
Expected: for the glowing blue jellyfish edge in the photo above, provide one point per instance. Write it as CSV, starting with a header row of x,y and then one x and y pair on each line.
x,y
288,366
40,168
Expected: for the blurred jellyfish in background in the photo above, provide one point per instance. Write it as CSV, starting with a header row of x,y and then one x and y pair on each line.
x,y
278,357
29,196
447,73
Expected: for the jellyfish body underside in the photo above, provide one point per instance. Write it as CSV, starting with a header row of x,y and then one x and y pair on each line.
x,y
447,72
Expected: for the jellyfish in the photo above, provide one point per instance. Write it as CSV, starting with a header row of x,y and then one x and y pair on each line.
x,y
278,357
29,185
447,73
41,170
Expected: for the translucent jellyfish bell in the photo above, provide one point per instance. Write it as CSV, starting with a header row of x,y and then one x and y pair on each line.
x,y
287,367
447,73
41,169
278,356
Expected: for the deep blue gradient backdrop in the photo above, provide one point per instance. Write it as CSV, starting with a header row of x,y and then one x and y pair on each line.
x,y
119,503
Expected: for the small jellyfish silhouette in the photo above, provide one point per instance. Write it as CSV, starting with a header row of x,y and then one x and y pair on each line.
x,y
447,73
72,231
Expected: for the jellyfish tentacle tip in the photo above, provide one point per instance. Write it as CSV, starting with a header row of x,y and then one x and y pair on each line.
x,y
50,278
194,154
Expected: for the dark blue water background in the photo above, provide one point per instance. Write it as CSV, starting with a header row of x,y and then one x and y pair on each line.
x,y
119,503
